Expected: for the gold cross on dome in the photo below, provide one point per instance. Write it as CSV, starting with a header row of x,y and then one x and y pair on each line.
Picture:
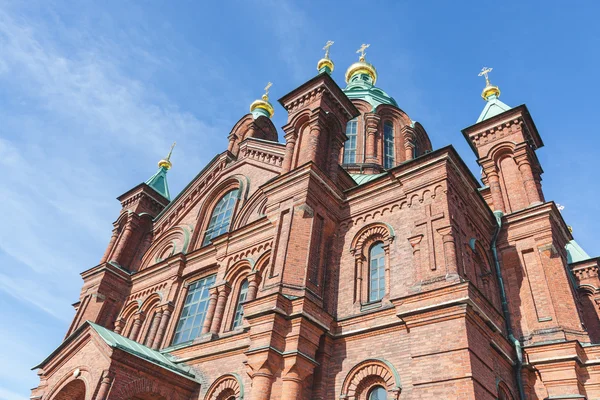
x,y
362,50
267,88
326,48
171,151
484,72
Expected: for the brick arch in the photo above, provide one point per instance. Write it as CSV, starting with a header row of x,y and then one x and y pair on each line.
x,y
367,374
239,182
70,385
225,387
503,392
377,231
143,387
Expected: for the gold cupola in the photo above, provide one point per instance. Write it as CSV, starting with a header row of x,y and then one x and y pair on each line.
x,y
489,90
166,162
362,66
325,64
262,106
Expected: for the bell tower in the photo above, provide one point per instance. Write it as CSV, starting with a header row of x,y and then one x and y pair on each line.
x,y
505,140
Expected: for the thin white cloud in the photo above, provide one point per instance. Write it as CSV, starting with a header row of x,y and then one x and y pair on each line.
x,y
62,152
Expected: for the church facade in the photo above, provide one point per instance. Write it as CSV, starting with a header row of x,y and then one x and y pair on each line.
x,y
351,262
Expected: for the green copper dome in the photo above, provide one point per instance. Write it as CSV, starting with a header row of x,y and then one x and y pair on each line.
x,y
361,86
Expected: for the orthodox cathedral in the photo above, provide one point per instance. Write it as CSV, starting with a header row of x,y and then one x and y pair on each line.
x,y
351,262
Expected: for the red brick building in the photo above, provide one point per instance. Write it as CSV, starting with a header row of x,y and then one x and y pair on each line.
x,y
351,262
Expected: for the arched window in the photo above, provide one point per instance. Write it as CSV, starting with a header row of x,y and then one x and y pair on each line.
x,y
378,393
350,144
376,272
194,310
221,216
388,145
239,308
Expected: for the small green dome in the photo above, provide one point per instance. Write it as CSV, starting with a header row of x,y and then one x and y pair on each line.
x,y
361,86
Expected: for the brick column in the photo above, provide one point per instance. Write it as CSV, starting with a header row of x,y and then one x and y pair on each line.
x,y
223,291
496,191
531,187
105,383
297,369
153,328
449,249
210,310
371,125
408,134
137,323
162,327
118,326
253,282
290,145
261,386
315,136
110,246
122,245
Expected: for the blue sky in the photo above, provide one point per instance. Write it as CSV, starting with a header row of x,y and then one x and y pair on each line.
x,y
92,94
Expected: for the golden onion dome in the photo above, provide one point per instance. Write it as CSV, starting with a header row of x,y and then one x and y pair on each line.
x,y
325,62
490,90
361,67
263,106
166,162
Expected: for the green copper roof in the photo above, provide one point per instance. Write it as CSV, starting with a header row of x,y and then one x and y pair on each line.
x,y
361,179
361,87
575,253
493,107
158,182
132,347
117,341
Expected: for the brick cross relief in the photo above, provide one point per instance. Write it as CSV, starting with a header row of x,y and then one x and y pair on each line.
x,y
428,222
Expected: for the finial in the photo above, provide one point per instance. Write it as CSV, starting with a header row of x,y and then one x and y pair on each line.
x,y
490,91
361,50
362,67
265,96
166,162
325,64
263,107
327,46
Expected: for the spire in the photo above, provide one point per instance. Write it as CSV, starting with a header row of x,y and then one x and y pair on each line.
x,y
263,107
325,64
158,181
491,95
362,67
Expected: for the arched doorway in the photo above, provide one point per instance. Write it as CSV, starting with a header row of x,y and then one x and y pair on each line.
x,y
74,390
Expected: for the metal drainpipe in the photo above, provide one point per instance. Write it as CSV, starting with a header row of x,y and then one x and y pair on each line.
x,y
514,341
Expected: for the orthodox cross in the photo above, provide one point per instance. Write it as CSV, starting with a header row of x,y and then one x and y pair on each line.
x,y
362,50
170,151
326,48
484,72
267,91
428,222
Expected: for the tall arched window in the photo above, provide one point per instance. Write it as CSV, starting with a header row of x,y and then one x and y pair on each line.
x,y
221,216
388,145
376,272
194,310
239,308
378,393
350,144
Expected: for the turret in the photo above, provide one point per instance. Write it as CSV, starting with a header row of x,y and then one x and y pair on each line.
x,y
382,136
505,140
